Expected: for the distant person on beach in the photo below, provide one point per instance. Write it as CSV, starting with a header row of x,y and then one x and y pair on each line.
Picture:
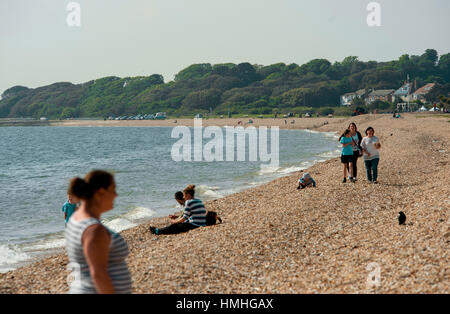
x,y
194,215
356,147
69,206
347,154
371,145
96,253
306,181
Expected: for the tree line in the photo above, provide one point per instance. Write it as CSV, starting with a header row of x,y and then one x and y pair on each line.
x,y
221,88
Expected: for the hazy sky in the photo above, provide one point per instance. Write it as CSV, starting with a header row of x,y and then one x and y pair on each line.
x,y
144,37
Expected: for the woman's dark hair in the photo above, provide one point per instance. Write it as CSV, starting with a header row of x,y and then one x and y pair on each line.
x,y
370,128
179,196
354,124
190,189
347,131
93,181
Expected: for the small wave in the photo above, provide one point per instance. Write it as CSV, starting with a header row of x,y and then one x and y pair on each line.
x,y
267,170
119,224
208,191
10,255
327,134
288,170
311,131
139,213
46,244
331,154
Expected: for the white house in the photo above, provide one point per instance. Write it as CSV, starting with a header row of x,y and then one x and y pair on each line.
x,y
404,93
346,99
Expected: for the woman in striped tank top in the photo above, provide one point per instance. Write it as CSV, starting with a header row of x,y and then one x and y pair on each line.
x,y
96,254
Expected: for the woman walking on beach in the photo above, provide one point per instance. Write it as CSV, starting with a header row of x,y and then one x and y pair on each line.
x,y
347,154
371,145
96,253
356,147
194,215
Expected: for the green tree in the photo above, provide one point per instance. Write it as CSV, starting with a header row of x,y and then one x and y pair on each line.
x,y
203,99
195,70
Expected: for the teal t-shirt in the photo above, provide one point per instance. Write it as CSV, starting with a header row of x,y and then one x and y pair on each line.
x,y
68,209
347,150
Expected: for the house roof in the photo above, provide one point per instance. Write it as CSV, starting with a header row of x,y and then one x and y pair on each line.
x,y
425,89
382,92
360,92
404,90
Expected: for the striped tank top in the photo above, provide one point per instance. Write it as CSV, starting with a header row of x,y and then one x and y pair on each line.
x,y
195,212
80,280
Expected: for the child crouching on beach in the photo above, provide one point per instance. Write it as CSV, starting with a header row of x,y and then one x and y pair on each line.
x,y
347,154
306,181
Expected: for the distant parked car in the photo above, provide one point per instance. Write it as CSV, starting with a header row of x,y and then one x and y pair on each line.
x,y
198,116
160,116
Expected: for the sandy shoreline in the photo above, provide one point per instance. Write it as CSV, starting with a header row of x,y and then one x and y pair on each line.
x,y
276,239
291,123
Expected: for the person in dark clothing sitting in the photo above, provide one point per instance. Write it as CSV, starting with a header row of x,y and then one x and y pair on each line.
x,y
194,215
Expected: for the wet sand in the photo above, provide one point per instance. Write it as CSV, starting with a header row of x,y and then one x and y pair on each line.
x,y
277,239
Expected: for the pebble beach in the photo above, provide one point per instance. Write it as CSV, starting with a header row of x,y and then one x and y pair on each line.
x,y
276,239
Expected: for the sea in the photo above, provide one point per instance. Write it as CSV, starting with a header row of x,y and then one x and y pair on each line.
x,y
37,163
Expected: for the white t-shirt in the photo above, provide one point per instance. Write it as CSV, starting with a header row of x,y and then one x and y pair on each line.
x,y
368,143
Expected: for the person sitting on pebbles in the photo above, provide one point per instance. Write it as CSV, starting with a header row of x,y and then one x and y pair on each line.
x,y
194,215
306,181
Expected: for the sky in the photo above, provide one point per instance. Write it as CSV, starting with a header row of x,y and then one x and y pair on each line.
x,y
143,37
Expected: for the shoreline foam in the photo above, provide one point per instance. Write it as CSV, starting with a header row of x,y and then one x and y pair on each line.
x,y
37,250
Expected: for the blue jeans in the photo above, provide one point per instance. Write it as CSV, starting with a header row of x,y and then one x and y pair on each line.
x,y
372,169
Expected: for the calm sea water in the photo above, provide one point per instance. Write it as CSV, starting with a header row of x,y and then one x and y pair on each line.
x,y
36,164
